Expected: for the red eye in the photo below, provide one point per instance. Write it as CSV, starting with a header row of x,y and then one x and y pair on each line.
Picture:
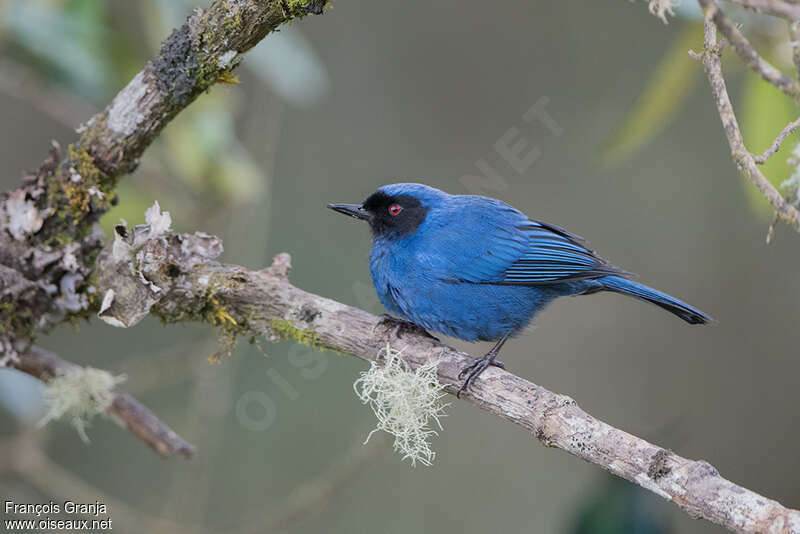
x,y
394,209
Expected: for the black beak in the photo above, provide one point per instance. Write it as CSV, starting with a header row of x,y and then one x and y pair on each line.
x,y
353,210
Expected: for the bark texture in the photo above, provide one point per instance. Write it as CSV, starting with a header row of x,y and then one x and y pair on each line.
x,y
54,268
244,303
49,237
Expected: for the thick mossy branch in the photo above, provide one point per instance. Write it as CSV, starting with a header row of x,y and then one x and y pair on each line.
x,y
194,57
266,303
75,192
49,241
284,329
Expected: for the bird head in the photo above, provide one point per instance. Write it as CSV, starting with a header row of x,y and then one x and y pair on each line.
x,y
394,210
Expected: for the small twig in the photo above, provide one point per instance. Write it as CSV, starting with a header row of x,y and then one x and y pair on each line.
x,y
771,7
771,229
747,53
794,35
143,423
776,144
743,159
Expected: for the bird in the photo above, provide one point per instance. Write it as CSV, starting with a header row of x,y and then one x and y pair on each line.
x,y
477,269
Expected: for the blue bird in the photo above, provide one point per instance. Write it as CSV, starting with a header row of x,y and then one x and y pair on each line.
x,y
477,269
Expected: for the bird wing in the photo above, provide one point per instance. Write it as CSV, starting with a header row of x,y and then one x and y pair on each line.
x,y
554,255
493,243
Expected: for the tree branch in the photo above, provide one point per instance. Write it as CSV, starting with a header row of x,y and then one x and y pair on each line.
x,y
744,160
771,7
49,239
47,226
794,40
747,53
46,365
193,287
776,144
50,255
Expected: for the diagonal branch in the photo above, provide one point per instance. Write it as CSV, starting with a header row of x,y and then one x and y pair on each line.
x,y
47,226
747,53
49,241
771,7
46,365
192,59
48,254
743,159
248,303
776,144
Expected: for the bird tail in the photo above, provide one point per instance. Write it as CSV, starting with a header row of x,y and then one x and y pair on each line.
x,y
688,313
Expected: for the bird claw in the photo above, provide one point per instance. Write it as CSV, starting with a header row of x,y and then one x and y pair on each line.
x,y
473,370
399,326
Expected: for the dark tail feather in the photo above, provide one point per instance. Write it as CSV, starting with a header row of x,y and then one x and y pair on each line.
x,y
628,287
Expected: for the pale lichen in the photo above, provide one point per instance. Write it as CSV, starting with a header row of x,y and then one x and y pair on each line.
x,y
70,299
8,352
79,394
132,253
662,8
124,114
145,262
226,59
792,184
22,215
103,314
69,261
406,402
159,222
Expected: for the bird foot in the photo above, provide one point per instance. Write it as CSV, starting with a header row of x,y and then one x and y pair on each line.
x,y
399,326
473,370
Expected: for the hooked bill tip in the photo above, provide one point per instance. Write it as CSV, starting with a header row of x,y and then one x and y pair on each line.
x,y
353,210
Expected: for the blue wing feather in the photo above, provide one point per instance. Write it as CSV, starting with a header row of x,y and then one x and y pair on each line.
x,y
493,243
555,255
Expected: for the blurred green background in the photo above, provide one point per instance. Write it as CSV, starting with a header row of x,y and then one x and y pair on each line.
x,y
372,93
